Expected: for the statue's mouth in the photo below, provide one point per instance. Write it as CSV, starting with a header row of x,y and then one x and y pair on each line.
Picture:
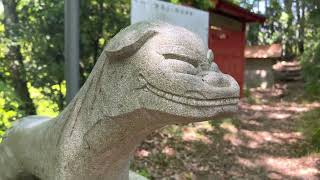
x,y
193,101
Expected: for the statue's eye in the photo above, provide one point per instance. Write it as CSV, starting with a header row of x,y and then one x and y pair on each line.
x,y
180,57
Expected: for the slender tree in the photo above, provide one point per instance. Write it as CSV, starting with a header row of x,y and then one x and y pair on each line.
x,y
15,59
300,9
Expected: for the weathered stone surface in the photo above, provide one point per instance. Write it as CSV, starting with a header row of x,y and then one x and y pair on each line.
x,y
135,176
150,74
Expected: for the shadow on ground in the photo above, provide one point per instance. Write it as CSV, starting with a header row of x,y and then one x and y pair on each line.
x,y
261,142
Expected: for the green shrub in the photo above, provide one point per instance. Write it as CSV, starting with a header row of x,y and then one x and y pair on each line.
x,y
310,127
144,172
11,111
316,139
9,107
311,70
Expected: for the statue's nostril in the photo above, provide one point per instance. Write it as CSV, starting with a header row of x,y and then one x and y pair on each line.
x,y
216,79
214,67
204,67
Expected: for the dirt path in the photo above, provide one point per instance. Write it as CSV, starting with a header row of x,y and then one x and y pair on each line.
x,y
261,142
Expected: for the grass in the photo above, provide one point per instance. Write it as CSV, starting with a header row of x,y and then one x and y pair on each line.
x,y
310,127
144,172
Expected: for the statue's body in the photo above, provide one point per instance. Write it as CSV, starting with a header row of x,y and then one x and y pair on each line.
x,y
148,76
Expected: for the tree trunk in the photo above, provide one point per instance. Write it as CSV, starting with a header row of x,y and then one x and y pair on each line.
x,y
301,22
266,5
15,58
288,33
61,97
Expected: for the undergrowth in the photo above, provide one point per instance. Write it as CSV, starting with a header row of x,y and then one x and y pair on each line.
x,y
310,127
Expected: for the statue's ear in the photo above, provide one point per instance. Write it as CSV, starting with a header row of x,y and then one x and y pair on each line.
x,y
128,41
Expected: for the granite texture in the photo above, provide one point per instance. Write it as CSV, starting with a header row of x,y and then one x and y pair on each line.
x,y
149,75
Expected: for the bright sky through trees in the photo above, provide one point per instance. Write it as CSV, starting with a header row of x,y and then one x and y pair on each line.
x,y
1,7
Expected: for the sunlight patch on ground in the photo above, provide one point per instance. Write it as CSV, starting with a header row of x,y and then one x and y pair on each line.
x,y
169,151
259,138
253,122
233,139
282,107
229,127
246,162
256,139
204,126
191,134
141,153
280,167
279,116
304,168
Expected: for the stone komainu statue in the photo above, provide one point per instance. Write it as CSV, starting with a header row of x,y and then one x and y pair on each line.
x,y
150,74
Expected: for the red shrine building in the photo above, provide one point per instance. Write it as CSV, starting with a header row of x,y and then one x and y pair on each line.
x,y
227,37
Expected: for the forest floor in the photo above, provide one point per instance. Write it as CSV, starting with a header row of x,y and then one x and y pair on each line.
x,y
261,142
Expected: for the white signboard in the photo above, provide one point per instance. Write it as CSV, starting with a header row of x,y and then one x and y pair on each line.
x,y
190,18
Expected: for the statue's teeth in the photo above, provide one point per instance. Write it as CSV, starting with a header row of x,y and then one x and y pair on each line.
x,y
169,96
160,93
176,98
208,103
190,101
183,100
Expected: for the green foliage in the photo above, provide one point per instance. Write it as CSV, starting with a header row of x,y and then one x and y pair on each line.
x,y
144,172
44,52
100,20
310,60
314,17
249,98
9,107
311,70
200,4
45,105
40,34
11,111
291,23
273,30
310,126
